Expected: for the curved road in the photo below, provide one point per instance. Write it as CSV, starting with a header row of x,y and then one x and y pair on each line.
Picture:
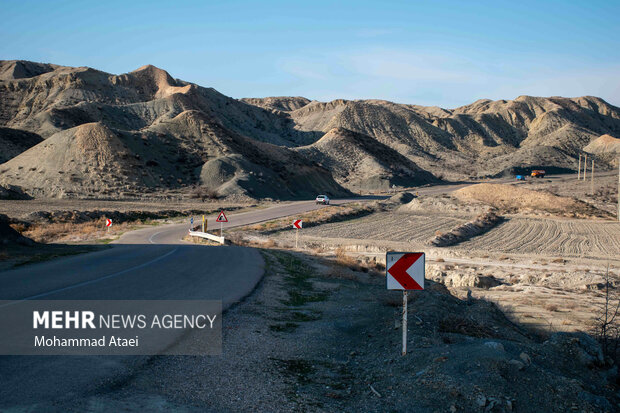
x,y
147,264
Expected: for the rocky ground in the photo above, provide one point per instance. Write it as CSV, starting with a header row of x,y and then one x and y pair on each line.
x,y
316,336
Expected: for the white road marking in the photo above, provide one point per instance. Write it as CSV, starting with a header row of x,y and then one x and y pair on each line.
x,y
105,277
151,237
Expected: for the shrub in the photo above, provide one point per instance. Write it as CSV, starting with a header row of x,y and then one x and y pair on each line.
x,y
204,193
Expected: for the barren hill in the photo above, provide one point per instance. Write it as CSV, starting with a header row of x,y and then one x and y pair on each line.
x,y
359,161
14,141
283,103
87,158
439,139
603,145
195,136
188,150
149,132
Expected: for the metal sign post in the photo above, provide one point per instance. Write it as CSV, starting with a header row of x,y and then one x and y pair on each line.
x,y
592,179
297,224
203,223
579,169
221,218
405,271
405,292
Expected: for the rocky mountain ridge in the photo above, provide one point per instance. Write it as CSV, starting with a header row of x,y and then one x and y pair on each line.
x,y
155,132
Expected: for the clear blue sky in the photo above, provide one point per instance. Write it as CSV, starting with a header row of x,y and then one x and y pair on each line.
x,y
446,53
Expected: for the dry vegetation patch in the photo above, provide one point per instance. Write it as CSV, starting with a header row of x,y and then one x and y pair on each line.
x,y
77,232
332,213
514,198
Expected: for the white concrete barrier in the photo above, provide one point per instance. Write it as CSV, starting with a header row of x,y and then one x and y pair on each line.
x,y
207,236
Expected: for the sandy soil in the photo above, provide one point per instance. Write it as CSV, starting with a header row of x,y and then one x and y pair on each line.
x,y
389,226
602,194
551,237
545,272
546,237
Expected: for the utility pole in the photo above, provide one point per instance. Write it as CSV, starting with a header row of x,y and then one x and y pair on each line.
x,y
579,169
618,188
585,167
592,178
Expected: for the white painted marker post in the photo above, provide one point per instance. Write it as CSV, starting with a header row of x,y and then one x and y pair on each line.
x,y
405,271
297,224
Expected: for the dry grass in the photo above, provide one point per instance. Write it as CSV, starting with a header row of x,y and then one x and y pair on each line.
x,y
467,326
204,193
559,261
551,307
340,273
268,244
347,261
319,216
58,232
19,227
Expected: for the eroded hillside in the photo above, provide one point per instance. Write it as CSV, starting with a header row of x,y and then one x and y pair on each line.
x,y
164,133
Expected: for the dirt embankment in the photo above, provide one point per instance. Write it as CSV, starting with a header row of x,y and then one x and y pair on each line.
x,y
9,236
515,199
465,231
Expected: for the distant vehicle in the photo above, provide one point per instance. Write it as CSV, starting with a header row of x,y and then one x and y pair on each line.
x,y
538,173
322,199
520,178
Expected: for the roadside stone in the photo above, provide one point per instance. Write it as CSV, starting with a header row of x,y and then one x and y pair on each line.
x,y
517,364
611,375
526,358
492,402
595,400
581,346
494,345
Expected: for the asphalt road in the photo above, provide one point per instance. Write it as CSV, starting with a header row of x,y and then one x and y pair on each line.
x,y
172,234
148,264
151,263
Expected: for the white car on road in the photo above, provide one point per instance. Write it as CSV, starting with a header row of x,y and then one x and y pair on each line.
x,y
322,199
